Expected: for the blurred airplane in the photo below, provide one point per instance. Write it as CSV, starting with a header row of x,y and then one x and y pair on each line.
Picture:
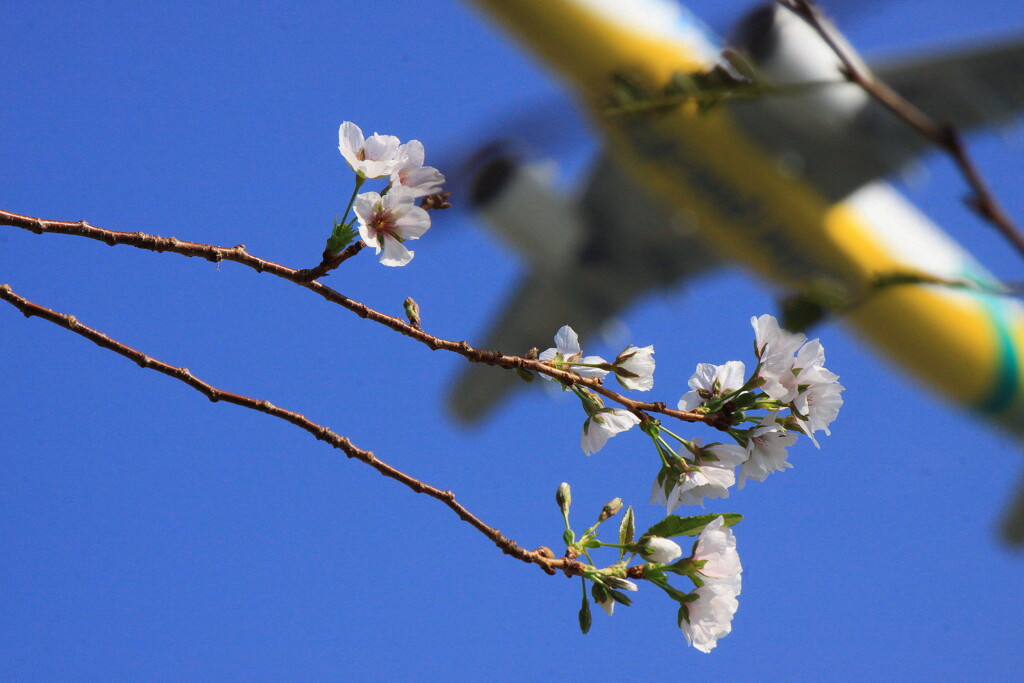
x,y
789,184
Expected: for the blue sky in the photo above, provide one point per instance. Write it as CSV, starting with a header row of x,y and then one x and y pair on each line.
x,y
148,533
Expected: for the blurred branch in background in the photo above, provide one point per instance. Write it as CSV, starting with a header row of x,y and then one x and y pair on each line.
x,y
942,135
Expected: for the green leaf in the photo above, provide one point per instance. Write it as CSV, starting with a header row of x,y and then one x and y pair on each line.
x,y
627,530
569,536
674,525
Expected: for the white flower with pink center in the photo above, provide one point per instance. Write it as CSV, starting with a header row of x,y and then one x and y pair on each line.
x,y
386,222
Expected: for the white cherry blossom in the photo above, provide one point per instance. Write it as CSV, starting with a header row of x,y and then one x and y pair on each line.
x,y
710,476
636,361
603,425
774,348
374,157
716,547
709,617
817,400
410,172
567,350
766,450
385,222
658,549
710,381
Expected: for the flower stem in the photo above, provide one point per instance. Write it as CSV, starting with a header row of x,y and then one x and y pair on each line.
x,y
360,179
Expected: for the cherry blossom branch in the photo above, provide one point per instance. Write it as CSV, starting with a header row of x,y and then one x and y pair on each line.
x,y
943,136
239,254
543,557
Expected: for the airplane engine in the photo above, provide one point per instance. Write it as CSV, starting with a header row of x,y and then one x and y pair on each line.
x,y
787,51
518,202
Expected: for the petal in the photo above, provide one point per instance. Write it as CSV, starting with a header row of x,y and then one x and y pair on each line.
x,y
411,154
369,236
423,181
689,401
617,420
594,436
567,342
732,375
590,372
365,206
703,377
414,223
350,143
395,253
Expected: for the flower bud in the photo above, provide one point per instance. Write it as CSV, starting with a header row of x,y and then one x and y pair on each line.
x,y
412,312
619,584
563,496
658,549
610,509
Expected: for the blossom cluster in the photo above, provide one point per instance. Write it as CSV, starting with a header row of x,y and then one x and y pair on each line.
x,y
389,218
705,613
789,383
633,368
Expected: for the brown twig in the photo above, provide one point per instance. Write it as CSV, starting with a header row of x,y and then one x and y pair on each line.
x,y
943,136
330,262
540,557
238,254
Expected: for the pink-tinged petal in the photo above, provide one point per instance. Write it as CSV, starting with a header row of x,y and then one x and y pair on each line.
x,y
395,253
365,207
369,236
413,223
423,180
716,546
567,342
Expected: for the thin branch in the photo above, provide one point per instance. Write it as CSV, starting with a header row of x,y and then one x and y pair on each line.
x,y
943,136
330,262
238,254
542,557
